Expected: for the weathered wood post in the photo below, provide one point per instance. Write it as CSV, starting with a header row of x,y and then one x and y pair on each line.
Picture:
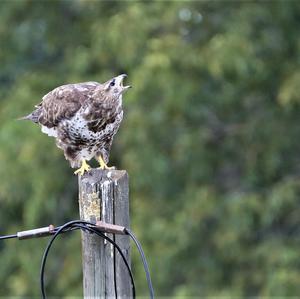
x,y
104,195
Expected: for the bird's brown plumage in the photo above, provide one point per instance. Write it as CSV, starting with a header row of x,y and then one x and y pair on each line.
x,y
83,117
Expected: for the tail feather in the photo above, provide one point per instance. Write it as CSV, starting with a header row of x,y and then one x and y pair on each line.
x,y
27,117
33,116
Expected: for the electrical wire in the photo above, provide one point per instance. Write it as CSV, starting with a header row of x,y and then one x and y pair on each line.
x,y
83,225
8,237
100,234
92,228
143,258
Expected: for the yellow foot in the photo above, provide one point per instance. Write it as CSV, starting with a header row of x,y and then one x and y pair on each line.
x,y
84,167
103,164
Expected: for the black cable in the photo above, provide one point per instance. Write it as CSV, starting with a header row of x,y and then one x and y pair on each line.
x,y
91,227
42,270
84,225
8,237
100,234
146,268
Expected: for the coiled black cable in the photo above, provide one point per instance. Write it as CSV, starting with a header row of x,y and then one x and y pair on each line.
x,y
83,225
92,228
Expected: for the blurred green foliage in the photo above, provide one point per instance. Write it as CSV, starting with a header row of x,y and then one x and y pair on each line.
x,y
209,138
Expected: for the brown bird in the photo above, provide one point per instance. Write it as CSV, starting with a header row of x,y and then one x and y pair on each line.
x,y
83,118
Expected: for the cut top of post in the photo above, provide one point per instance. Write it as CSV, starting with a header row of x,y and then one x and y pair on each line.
x,y
98,189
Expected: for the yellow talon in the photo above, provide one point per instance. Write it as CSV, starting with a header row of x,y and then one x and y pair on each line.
x,y
84,167
103,164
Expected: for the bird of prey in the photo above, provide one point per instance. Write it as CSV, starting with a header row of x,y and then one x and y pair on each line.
x,y
83,118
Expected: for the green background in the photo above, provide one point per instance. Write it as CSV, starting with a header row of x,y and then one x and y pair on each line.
x,y
210,139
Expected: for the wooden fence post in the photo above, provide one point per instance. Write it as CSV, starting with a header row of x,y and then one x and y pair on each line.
x,y
104,195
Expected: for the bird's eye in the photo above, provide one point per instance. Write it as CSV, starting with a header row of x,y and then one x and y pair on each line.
x,y
112,83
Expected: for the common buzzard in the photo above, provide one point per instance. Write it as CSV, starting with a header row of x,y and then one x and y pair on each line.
x,y
83,118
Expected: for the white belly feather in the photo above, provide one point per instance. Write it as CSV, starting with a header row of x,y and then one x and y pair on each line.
x,y
49,131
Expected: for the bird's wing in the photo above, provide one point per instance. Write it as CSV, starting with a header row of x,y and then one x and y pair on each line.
x,y
63,102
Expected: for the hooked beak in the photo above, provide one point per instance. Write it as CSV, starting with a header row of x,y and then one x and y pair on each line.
x,y
120,80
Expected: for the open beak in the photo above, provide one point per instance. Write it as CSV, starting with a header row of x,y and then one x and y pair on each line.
x,y
120,79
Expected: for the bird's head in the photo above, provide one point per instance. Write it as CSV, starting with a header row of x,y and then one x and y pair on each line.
x,y
114,87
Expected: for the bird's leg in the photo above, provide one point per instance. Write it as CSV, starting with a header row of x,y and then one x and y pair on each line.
x,y
103,164
84,167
